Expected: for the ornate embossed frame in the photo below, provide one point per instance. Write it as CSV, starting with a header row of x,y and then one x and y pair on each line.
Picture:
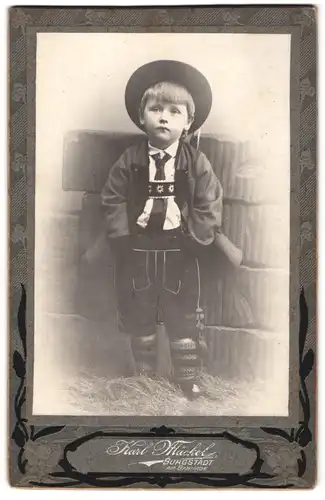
x,y
284,448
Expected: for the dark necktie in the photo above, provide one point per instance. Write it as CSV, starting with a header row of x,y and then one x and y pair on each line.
x,y
160,166
158,212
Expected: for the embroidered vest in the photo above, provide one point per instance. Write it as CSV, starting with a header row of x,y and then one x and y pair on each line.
x,y
140,185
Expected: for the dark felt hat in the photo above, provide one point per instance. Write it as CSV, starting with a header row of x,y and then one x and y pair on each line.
x,y
169,71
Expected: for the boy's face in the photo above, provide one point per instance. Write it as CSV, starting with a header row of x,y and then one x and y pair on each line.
x,y
164,122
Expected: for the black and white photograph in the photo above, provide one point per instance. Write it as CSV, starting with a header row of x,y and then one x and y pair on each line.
x,y
162,224
162,239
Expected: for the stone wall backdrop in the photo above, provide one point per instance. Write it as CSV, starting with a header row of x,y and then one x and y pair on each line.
x,y
246,313
247,308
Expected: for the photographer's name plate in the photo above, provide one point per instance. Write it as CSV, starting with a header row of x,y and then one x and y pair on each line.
x,y
220,455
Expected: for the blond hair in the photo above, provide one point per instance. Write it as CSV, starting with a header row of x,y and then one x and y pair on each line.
x,y
169,92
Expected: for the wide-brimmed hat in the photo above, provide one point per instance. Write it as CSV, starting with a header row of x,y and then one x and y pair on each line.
x,y
169,71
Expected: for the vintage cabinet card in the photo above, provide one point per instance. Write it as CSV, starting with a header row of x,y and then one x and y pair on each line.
x,y
162,247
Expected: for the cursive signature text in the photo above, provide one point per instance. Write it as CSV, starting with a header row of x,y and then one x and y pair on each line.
x,y
163,447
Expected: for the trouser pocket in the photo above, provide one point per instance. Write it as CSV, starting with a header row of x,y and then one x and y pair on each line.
x,y
172,271
141,273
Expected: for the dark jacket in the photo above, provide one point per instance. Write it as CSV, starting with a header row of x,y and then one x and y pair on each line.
x,y
199,192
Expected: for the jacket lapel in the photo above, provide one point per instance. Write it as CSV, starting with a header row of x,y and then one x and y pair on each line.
x,y
140,169
182,177
141,157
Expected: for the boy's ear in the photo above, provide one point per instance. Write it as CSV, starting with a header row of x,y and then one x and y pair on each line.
x,y
141,120
189,124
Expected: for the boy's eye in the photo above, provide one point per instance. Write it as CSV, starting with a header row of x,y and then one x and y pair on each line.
x,y
155,108
175,111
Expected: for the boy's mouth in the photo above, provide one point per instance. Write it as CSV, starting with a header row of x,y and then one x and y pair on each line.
x,y
162,129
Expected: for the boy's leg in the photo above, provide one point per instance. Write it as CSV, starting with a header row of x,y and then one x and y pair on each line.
x,y
137,306
145,354
181,303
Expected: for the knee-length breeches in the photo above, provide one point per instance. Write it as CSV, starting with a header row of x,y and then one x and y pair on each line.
x,y
158,285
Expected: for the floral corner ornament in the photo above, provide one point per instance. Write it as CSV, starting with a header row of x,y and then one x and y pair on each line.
x,y
284,462
42,458
19,19
304,19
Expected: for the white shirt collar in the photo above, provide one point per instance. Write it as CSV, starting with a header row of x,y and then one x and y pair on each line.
x,y
171,150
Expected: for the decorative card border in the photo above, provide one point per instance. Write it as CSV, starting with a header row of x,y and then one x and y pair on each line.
x,y
39,454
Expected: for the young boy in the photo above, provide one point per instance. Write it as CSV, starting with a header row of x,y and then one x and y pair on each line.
x,y
162,202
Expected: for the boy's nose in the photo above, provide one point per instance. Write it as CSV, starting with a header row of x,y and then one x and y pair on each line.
x,y
163,116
